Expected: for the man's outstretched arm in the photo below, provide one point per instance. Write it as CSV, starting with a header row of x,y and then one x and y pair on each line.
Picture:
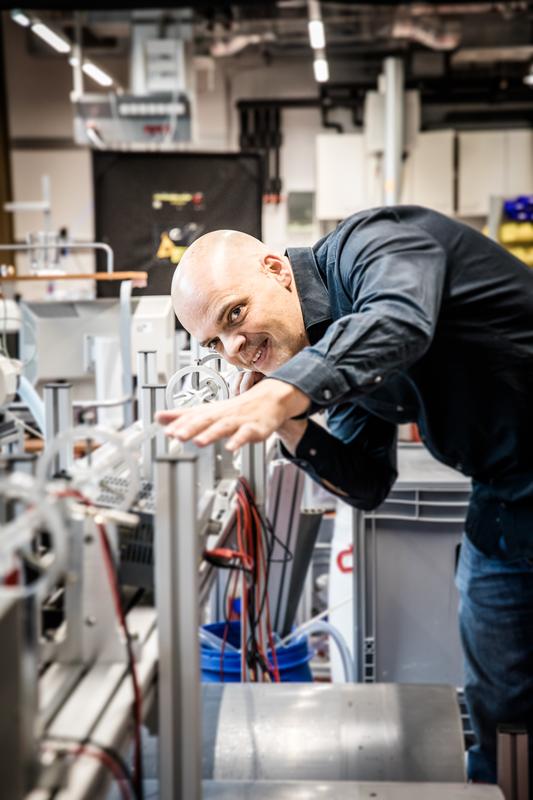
x,y
250,417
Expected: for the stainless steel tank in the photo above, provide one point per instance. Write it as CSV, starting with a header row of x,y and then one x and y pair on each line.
x,y
332,732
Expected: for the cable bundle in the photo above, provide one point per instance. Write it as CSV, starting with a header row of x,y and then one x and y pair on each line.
x,y
250,562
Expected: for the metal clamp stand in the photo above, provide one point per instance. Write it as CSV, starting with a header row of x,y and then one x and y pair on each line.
x,y
176,578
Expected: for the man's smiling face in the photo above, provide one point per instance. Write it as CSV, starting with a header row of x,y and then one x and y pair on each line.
x,y
241,301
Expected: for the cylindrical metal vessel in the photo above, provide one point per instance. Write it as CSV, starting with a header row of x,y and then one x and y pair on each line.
x,y
333,732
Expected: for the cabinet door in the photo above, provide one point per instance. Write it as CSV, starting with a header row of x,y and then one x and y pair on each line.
x,y
518,163
482,169
341,175
428,171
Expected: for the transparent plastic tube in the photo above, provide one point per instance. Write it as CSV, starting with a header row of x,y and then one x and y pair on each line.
x,y
319,626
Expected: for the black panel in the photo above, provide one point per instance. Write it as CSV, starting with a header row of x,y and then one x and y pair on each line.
x,y
149,205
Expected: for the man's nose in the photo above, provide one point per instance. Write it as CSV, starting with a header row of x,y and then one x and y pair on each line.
x,y
233,344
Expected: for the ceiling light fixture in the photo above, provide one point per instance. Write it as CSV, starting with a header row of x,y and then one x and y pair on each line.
x,y
51,37
321,70
317,38
528,77
97,74
20,17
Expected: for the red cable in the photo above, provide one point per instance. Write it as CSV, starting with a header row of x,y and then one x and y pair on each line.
x,y
103,758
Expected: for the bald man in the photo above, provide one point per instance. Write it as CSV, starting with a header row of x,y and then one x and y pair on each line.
x,y
399,315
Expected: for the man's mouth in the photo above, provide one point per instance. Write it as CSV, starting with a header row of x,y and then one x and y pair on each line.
x,y
260,356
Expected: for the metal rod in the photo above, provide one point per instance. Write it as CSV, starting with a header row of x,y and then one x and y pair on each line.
x,y
125,348
146,373
15,248
358,532
58,418
176,576
152,400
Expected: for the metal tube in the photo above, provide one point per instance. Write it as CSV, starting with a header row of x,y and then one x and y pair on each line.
x,y
152,400
57,419
358,608
146,373
394,130
15,248
125,349
176,578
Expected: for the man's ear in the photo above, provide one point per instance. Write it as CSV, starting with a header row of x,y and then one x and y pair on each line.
x,y
278,267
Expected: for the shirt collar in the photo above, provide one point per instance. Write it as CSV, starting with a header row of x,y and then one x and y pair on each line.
x,y
312,292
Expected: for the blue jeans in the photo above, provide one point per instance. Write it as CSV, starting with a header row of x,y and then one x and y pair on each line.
x,y
496,624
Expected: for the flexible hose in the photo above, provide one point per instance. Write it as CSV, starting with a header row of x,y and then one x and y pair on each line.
x,y
325,627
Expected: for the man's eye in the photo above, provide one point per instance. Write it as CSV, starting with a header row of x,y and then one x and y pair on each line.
x,y
235,313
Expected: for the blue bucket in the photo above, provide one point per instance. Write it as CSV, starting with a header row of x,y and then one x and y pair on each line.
x,y
293,659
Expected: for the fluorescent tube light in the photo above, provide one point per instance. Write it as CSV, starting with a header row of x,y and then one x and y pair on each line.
x,y
19,16
321,70
317,37
51,37
97,74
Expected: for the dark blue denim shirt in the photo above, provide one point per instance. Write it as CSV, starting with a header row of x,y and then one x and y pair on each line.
x,y
414,317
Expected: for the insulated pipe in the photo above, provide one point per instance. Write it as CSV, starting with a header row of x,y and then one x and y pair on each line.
x,y
332,732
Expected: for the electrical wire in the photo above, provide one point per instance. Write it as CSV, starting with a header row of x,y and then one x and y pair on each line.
x,y
250,561
111,759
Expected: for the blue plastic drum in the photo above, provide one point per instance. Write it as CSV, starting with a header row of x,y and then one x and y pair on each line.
x,y
293,660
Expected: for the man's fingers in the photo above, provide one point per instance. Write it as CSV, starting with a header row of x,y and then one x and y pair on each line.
x,y
190,424
246,434
164,417
219,430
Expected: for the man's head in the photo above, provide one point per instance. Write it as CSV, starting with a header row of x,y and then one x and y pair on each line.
x,y
235,295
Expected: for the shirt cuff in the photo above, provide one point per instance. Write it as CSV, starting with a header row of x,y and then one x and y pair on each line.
x,y
322,383
311,447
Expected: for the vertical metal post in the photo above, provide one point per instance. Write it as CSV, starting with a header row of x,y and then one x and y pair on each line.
x,y
512,762
126,321
152,400
176,580
146,373
253,468
394,130
57,419
358,608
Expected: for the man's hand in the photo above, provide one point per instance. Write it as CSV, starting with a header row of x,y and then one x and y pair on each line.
x,y
250,417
